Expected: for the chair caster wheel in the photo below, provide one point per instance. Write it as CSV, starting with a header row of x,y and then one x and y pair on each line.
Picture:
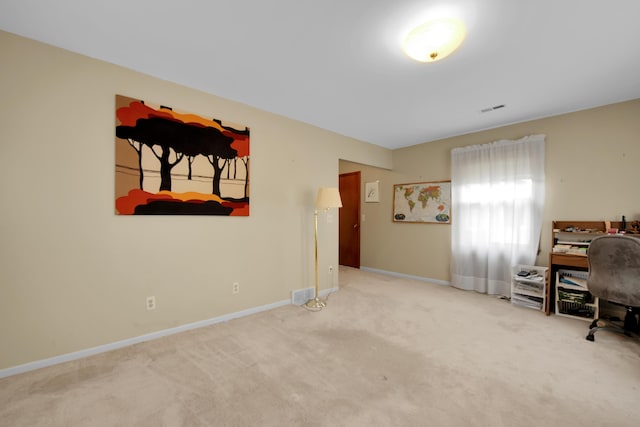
x,y
591,338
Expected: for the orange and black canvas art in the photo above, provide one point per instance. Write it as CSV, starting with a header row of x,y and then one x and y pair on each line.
x,y
170,163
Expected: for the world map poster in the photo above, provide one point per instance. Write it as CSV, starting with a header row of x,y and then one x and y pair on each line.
x,y
422,202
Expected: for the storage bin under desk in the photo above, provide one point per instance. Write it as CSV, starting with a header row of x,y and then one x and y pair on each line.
x,y
559,261
575,301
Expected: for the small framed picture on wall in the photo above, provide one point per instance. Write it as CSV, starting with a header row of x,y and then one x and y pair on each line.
x,y
372,191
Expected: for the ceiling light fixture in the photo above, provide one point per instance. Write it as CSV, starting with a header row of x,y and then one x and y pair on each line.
x,y
434,40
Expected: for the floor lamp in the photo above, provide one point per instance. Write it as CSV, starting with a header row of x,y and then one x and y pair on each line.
x,y
327,198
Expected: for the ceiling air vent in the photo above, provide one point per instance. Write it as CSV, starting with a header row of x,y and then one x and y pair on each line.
x,y
495,107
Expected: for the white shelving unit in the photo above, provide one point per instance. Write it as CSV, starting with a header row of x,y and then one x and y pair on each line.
x,y
573,298
530,290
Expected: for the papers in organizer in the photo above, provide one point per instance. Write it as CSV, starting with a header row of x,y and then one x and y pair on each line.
x,y
574,281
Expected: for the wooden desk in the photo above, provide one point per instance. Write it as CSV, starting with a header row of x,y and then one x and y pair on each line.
x,y
559,260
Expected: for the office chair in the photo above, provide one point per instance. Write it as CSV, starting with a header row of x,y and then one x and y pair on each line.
x,y
614,275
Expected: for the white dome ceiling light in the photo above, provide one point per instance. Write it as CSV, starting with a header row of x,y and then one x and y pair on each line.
x,y
434,40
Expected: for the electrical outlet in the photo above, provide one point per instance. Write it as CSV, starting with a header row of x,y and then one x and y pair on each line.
x,y
151,303
236,288
330,269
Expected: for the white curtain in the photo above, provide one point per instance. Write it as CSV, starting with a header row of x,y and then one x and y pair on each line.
x,y
497,196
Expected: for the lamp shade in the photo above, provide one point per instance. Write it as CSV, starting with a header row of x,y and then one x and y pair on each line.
x,y
328,198
434,40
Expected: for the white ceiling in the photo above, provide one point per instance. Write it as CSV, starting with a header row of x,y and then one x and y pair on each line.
x,y
337,64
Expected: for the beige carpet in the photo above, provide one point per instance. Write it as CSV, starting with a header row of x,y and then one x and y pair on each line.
x,y
385,352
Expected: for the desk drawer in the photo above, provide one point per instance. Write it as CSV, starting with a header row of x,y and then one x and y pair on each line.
x,y
569,260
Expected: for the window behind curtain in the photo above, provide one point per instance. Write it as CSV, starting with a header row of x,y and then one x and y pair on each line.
x,y
497,205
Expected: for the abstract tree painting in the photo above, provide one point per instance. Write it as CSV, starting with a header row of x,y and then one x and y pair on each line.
x,y
170,163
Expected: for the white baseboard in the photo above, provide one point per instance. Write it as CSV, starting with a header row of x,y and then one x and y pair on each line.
x,y
406,276
142,338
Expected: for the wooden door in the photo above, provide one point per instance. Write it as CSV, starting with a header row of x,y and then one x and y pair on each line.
x,y
349,219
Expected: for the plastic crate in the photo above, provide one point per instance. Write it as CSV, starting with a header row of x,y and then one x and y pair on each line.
x,y
576,309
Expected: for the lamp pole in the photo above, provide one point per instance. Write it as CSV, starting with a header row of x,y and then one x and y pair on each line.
x,y
316,302
327,198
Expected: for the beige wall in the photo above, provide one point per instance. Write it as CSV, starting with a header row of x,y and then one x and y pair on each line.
x,y
73,275
592,173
